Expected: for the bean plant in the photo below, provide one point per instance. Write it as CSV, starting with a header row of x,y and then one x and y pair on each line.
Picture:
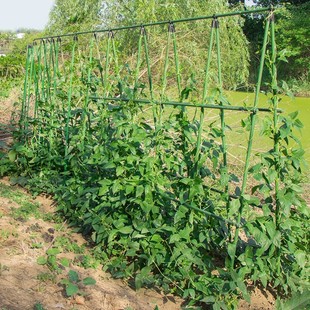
x,y
154,188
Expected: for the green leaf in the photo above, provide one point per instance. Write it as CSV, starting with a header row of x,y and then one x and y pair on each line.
x,y
208,300
119,170
12,155
89,281
234,207
231,250
110,165
301,258
65,281
38,306
65,262
138,282
42,260
298,301
73,276
71,289
263,278
53,251
105,186
129,189
116,187
139,191
180,214
126,230
156,238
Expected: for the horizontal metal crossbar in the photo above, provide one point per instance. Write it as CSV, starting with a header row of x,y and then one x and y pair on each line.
x,y
187,104
189,206
260,10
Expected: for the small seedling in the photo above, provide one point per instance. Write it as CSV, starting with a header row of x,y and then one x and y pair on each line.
x,y
50,260
38,306
74,284
3,268
46,276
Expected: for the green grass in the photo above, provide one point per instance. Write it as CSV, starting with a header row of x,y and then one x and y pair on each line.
x,y
237,137
26,208
288,105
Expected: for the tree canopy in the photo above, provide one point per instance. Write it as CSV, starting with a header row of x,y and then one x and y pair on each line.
x,y
267,3
74,15
293,38
79,15
292,33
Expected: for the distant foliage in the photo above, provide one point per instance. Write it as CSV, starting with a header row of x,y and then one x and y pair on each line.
x,y
74,15
293,33
12,65
293,40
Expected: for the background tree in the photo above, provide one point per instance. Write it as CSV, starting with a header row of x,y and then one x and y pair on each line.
x,y
194,36
292,33
267,3
79,15
292,38
74,15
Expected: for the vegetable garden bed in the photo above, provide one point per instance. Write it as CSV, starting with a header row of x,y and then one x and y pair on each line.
x,y
153,183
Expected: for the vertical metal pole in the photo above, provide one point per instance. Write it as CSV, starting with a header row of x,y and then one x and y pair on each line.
x,y
107,65
250,143
30,78
149,74
42,70
204,98
137,71
37,79
276,136
164,79
220,85
25,93
275,101
99,59
68,116
176,60
85,108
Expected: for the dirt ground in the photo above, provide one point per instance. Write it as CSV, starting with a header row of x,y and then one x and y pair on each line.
x,y
24,283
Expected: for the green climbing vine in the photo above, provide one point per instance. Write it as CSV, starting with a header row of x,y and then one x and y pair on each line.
x,y
154,187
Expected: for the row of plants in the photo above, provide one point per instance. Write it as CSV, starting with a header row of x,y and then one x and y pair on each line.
x,y
155,192
131,189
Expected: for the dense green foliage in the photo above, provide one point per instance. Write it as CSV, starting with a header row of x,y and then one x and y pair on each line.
x,y
123,186
123,13
12,66
154,190
293,33
267,3
292,28
74,15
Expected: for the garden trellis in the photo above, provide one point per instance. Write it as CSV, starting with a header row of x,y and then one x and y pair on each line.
x,y
45,64
131,130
